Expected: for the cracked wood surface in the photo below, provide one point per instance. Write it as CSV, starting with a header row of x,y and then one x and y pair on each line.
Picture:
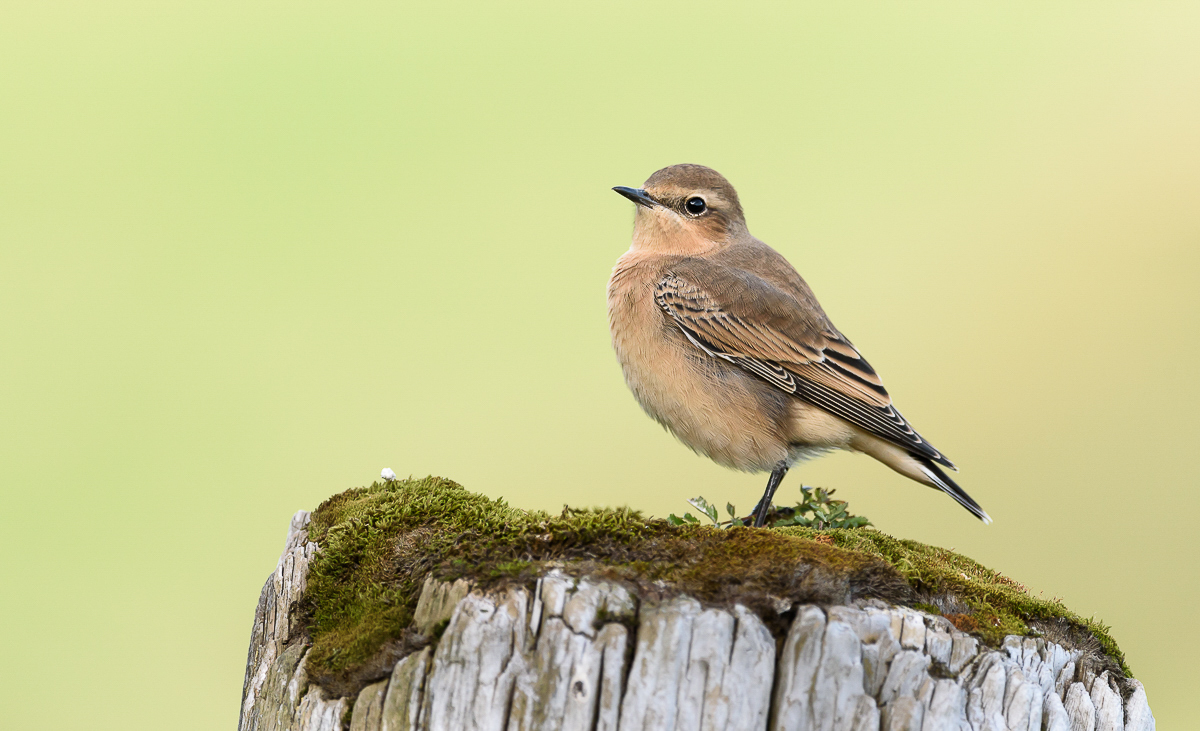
x,y
585,654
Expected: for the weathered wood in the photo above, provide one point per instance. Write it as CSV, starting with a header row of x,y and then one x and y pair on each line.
x,y
585,654
272,630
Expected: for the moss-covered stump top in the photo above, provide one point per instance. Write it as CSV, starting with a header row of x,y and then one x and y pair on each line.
x,y
379,543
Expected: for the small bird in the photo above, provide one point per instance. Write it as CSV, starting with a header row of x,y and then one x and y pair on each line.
x,y
725,345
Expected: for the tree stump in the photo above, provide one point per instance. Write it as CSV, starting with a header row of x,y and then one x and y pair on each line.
x,y
585,651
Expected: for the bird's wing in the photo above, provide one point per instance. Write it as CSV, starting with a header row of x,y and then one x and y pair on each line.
x,y
744,319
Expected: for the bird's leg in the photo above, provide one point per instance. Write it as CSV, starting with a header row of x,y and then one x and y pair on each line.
x,y
764,505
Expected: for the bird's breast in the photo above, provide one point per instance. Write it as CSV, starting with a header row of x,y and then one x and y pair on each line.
x,y
712,406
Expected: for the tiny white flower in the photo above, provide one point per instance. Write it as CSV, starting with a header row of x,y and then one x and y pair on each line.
x,y
387,474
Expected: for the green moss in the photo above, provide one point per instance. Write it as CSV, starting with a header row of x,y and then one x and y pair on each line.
x,y
927,608
380,542
439,629
995,605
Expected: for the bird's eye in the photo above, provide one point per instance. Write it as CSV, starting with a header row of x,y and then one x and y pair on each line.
x,y
695,205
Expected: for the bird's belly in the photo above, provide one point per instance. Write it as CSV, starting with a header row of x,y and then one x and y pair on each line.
x,y
712,406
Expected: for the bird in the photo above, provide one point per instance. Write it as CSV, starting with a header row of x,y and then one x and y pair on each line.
x,y
723,343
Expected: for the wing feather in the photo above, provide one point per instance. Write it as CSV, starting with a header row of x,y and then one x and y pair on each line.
x,y
770,340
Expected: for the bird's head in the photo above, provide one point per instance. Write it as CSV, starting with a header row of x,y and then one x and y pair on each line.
x,y
685,209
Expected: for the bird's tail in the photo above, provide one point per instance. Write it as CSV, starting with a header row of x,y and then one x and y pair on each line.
x,y
951,488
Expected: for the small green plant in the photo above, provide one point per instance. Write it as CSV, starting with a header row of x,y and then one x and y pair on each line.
x,y
814,510
707,510
817,510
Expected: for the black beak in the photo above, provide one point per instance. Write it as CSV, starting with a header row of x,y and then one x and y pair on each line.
x,y
637,195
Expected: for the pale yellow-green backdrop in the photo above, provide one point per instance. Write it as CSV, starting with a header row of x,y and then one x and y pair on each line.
x,y
252,253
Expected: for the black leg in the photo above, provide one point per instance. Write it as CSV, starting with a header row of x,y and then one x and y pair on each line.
x,y
764,505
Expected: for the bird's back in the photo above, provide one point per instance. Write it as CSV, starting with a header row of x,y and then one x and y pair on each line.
x,y
757,258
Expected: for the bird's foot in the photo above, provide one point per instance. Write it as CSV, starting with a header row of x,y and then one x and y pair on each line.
x,y
773,513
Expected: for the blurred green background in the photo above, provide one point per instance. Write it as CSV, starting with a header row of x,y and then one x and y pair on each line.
x,y
252,254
